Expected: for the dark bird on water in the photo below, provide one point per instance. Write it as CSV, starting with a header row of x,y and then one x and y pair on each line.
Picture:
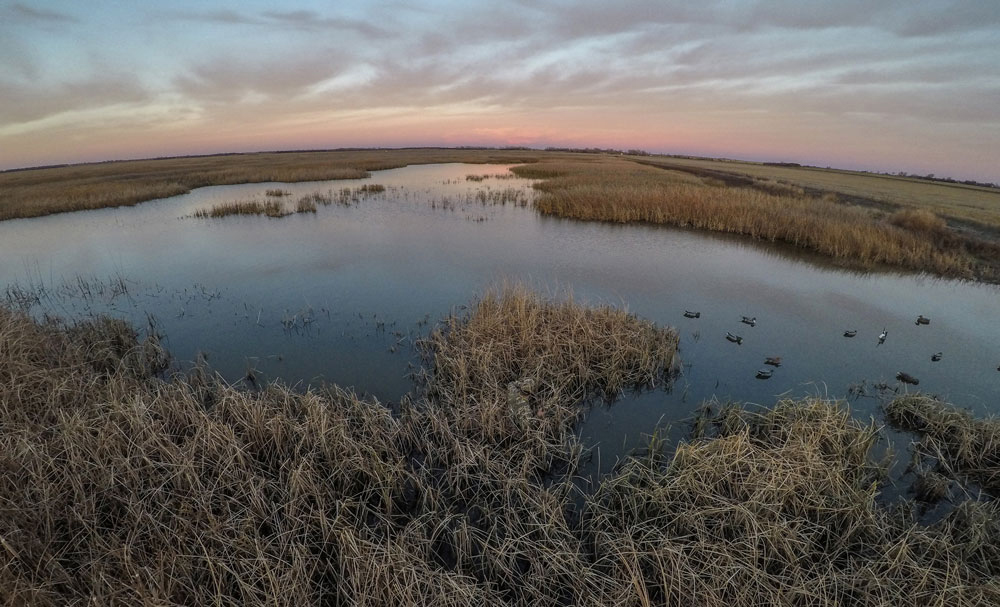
x,y
736,339
749,321
881,337
850,333
923,320
937,356
906,378
774,361
688,314
765,373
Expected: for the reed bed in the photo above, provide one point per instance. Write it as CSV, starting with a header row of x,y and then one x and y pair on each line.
x,y
305,205
120,487
270,208
621,191
954,444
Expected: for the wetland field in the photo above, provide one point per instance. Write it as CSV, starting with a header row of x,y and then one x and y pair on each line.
x,y
454,377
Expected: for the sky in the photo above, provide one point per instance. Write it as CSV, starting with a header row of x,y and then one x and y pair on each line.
x,y
909,85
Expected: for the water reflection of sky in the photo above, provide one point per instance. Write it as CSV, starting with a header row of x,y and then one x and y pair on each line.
x,y
368,276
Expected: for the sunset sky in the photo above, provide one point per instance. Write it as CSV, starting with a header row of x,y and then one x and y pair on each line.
x,y
911,85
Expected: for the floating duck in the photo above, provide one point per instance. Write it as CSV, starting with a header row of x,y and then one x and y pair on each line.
x,y
774,361
688,314
937,356
736,339
923,320
906,378
881,337
749,321
765,373
850,333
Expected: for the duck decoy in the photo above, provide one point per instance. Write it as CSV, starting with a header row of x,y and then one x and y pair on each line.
x,y
765,373
749,321
923,320
881,337
906,378
774,361
688,314
937,356
850,333
736,339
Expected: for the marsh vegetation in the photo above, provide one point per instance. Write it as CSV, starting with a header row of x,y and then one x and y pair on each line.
x,y
618,190
860,220
121,486
305,204
35,192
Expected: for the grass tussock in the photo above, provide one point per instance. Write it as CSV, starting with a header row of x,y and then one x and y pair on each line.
x,y
117,487
954,444
918,220
305,205
621,191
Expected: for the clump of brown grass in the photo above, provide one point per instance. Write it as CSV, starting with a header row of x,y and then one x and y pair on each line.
x,y
918,220
957,444
270,208
277,192
305,205
567,351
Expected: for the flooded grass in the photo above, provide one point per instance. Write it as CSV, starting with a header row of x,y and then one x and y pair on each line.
x,y
954,444
780,507
617,190
305,205
269,208
120,487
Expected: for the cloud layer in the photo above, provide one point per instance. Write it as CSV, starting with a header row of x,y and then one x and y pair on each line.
x,y
909,85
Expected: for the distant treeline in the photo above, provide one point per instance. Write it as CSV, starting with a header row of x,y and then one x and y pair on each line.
x,y
932,177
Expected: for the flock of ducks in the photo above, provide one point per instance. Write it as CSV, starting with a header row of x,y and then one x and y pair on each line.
x,y
775,361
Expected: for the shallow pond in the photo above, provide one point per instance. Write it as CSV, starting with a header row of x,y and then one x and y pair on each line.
x,y
340,295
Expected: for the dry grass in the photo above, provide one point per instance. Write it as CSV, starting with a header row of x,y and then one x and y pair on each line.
x,y
613,189
35,192
305,205
918,220
965,202
780,508
954,443
117,487
269,208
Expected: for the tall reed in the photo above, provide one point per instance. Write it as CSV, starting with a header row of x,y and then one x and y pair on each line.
x,y
621,191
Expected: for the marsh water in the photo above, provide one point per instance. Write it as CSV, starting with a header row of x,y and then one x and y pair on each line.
x,y
341,295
